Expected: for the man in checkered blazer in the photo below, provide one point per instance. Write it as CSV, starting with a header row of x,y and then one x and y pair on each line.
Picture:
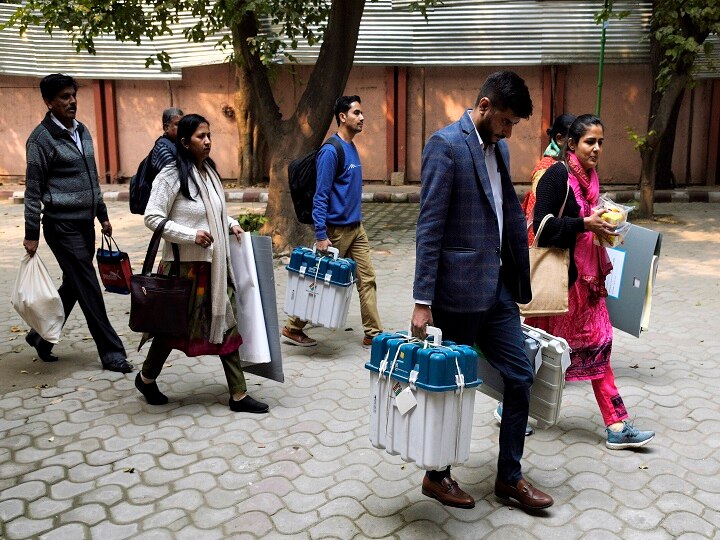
x,y
473,267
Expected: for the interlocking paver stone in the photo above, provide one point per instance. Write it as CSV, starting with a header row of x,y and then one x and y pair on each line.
x,y
128,513
108,529
23,527
108,495
307,469
334,527
27,491
201,481
300,502
256,523
66,532
155,534
10,509
46,507
174,519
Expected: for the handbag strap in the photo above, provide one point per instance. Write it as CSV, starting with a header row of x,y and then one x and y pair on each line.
x,y
546,218
540,229
110,241
153,249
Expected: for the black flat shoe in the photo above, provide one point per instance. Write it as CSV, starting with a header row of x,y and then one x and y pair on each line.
x,y
248,405
119,364
152,393
41,348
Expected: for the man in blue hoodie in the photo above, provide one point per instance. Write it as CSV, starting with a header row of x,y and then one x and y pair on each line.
x,y
338,218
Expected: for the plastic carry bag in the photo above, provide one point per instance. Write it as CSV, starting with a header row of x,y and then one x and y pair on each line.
x,y
616,215
36,299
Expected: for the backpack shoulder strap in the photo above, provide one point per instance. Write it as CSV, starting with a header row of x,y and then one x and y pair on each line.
x,y
340,154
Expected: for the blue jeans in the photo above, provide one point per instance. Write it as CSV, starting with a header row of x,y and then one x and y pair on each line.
x,y
498,334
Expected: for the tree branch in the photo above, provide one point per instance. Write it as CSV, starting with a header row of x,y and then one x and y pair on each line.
x,y
332,70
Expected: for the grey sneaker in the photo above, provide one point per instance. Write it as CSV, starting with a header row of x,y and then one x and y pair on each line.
x,y
497,413
628,437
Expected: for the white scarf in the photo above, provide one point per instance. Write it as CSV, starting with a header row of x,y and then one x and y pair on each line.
x,y
222,313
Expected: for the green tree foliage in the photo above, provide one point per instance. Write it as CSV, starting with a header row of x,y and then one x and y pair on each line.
x,y
287,23
259,31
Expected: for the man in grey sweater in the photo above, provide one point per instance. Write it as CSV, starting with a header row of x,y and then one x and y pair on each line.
x,y
61,182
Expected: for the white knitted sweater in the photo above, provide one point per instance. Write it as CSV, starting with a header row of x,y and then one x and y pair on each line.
x,y
186,216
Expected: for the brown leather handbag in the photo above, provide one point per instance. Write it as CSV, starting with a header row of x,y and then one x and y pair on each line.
x,y
159,303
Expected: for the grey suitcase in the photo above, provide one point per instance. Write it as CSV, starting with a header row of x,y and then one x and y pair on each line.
x,y
551,357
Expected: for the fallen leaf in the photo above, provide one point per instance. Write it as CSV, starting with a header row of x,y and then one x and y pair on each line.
x,y
15,329
129,470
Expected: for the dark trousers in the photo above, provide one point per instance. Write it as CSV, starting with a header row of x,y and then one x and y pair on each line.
x,y
73,244
498,334
159,352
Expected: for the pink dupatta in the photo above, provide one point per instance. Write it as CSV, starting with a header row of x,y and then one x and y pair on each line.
x,y
592,262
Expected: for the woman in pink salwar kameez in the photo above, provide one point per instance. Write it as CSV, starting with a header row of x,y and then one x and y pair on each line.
x,y
586,327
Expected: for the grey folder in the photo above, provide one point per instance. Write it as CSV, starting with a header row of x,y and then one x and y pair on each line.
x,y
630,284
262,250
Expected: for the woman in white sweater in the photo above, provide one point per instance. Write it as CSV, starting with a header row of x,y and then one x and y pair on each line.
x,y
190,195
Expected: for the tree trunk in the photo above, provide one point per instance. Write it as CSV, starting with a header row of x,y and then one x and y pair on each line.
x,y
282,225
252,148
292,137
665,179
657,133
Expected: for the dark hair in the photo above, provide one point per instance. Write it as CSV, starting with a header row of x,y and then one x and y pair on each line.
x,y
186,127
560,126
52,84
507,90
168,115
342,105
579,127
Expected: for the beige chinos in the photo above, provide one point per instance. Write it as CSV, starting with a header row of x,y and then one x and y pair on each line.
x,y
352,241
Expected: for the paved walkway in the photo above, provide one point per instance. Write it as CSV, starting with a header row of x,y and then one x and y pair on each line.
x,y
83,456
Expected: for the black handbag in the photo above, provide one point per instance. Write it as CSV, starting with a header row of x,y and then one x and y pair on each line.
x,y
158,303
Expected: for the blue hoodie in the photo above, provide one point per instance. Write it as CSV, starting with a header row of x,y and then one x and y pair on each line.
x,y
337,200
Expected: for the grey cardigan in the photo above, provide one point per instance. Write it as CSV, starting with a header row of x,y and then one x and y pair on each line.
x,y
60,181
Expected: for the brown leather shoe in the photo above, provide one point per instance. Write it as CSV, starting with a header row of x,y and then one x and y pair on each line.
x,y
298,337
524,493
447,492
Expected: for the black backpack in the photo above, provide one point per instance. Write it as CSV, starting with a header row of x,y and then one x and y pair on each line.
x,y
302,176
142,180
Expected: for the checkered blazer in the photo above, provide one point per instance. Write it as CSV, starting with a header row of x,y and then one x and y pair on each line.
x,y
458,251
